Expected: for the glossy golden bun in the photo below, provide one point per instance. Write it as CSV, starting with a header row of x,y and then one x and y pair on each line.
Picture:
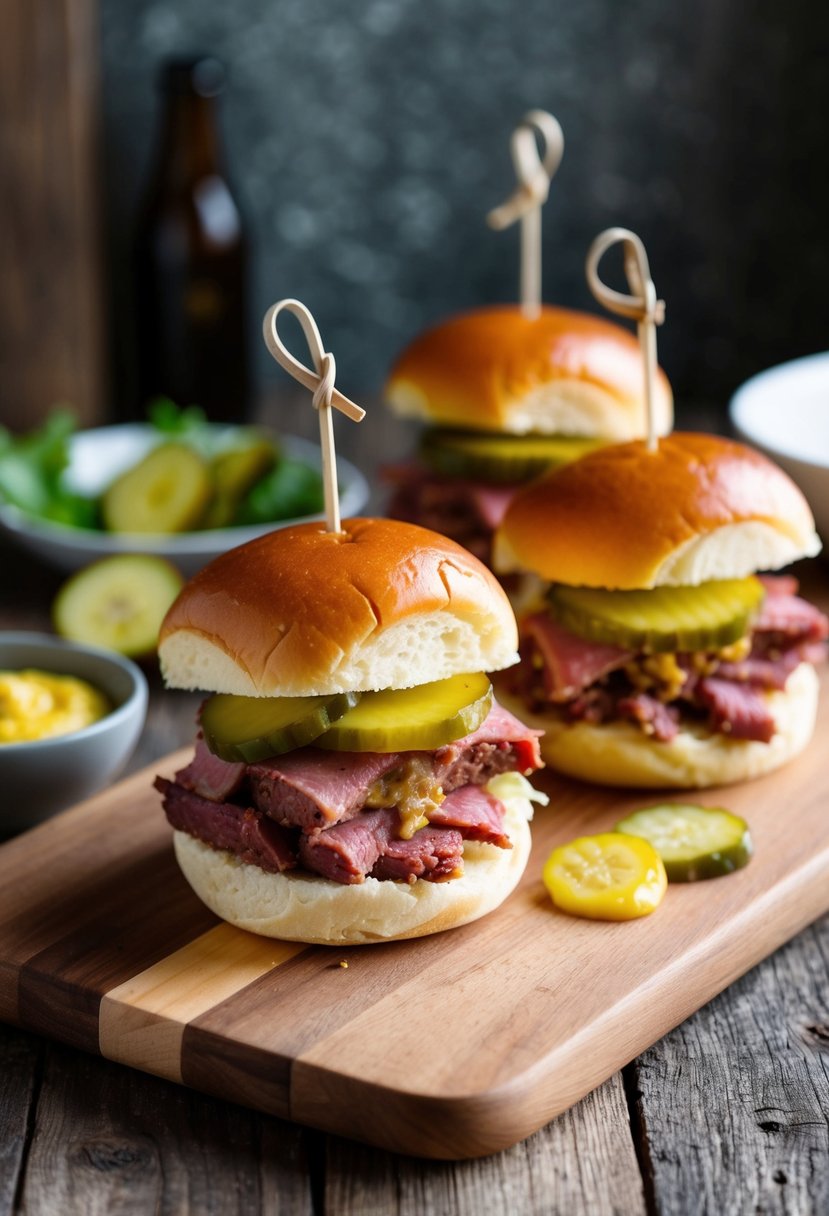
x,y
494,369
698,508
303,612
619,753
301,907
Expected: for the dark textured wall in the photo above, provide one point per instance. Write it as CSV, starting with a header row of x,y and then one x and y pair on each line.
x,y
368,138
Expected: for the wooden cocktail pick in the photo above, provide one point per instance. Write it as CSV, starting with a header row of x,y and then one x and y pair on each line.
x,y
325,396
534,173
641,305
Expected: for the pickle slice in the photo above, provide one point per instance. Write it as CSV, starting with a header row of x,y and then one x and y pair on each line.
x,y
167,491
235,472
118,602
694,842
252,728
605,877
412,719
662,620
500,458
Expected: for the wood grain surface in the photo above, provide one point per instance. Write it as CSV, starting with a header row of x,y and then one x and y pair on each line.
x,y
51,308
114,954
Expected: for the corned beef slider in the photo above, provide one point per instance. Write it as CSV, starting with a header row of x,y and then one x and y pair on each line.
x,y
506,397
654,656
353,779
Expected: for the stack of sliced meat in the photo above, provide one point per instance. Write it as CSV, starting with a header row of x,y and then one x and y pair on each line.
x,y
597,683
466,511
318,810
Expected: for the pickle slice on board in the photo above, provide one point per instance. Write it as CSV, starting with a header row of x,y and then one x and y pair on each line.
x,y
605,877
167,491
694,842
663,619
248,729
500,458
118,602
412,719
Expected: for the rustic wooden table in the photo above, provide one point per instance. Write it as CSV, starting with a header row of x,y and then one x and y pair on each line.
x,y
729,1113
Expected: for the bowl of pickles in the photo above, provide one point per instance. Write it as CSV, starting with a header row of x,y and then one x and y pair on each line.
x,y
176,487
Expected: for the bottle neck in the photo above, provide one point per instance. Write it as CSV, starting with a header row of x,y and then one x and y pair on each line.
x,y
190,146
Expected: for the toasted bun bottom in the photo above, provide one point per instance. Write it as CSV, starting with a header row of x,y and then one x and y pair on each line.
x,y
299,907
618,753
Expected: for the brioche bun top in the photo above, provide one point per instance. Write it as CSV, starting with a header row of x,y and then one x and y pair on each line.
x,y
698,508
303,612
495,369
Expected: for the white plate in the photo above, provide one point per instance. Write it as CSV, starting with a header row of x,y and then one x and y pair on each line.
x,y
785,412
97,456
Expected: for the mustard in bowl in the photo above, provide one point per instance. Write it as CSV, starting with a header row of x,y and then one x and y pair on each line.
x,y
70,717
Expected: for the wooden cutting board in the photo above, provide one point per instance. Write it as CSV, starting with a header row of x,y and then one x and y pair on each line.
x,y
451,1046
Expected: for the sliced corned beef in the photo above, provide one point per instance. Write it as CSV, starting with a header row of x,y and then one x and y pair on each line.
x,y
350,851
788,619
779,584
209,776
248,833
475,814
570,663
737,710
432,853
501,744
761,672
312,789
467,511
595,704
656,719
491,502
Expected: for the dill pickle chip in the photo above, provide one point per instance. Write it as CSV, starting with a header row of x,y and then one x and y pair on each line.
x,y
412,719
252,728
694,842
167,491
664,619
235,472
500,458
118,602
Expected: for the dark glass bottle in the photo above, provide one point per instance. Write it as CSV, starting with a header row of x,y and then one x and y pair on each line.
x,y
191,257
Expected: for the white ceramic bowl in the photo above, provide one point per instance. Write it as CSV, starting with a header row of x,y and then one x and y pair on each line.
x,y
785,412
97,456
42,777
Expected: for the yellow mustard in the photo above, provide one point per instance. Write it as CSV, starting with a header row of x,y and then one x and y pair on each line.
x,y
39,704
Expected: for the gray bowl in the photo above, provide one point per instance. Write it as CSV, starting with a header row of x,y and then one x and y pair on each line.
x,y
39,778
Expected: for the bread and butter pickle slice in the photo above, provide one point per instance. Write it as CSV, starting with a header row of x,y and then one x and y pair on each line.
x,y
248,729
664,619
605,877
167,491
412,719
506,459
694,842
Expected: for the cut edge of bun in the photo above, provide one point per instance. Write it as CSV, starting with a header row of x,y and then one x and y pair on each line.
x,y
559,372
564,406
733,551
418,650
696,508
298,906
305,612
620,754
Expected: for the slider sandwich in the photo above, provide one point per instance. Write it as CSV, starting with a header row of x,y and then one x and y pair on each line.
x,y
656,656
506,397
353,778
